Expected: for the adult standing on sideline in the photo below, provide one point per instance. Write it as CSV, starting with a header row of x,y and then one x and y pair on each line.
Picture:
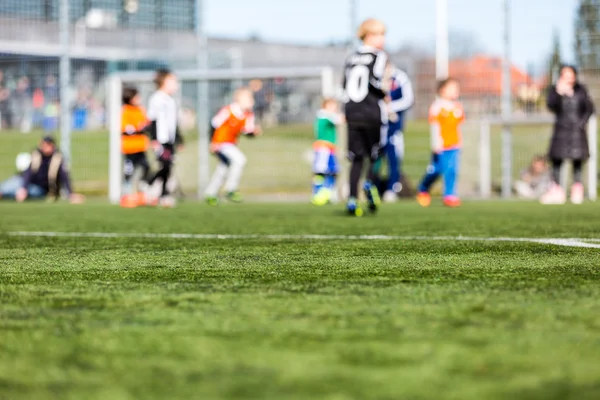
x,y
569,101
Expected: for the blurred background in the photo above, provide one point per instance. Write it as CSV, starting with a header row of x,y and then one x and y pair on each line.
x,y
56,55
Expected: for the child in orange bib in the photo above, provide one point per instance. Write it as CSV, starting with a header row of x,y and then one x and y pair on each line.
x,y
446,115
228,125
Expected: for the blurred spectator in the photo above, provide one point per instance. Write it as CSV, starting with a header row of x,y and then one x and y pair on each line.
x,y
38,100
51,90
22,105
535,180
570,103
5,111
261,99
45,177
51,112
81,109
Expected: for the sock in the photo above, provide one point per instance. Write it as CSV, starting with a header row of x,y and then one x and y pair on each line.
x,y
330,182
351,203
318,183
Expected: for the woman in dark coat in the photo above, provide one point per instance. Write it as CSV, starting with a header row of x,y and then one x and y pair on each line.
x,y
569,101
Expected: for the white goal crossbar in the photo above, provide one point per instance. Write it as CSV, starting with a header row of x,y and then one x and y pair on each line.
x,y
114,99
485,154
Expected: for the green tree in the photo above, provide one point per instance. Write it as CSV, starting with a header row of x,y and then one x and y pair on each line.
x,y
587,34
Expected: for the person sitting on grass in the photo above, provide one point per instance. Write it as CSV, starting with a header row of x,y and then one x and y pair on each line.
x,y
46,176
535,180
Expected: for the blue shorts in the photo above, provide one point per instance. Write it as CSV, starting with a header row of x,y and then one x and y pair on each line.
x,y
325,162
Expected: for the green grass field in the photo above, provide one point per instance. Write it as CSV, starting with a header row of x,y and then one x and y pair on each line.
x,y
421,315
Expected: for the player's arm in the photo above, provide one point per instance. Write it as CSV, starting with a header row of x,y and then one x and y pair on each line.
x,y
553,99
250,127
407,100
379,67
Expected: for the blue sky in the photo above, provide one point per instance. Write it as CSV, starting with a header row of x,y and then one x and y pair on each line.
x,y
409,21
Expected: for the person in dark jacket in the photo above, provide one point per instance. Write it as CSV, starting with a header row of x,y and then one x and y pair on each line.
x,y
569,101
46,175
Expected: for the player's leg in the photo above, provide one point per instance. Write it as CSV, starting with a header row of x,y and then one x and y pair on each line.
x,y
356,155
431,175
128,200
216,181
376,140
320,171
450,161
392,153
332,171
237,162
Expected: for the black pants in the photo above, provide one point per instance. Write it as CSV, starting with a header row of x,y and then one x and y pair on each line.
x,y
364,142
133,161
577,170
165,159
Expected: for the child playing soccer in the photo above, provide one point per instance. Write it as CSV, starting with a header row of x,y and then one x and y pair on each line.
x,y
230,122
325,165
164,130
445,117
134,144
366,110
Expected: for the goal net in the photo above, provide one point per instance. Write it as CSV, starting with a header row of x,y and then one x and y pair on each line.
x,y
286,103
506,148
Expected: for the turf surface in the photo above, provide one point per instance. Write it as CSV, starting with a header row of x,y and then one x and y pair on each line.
x,y
141,318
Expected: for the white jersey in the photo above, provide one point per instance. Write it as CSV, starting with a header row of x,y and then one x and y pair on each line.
x,y
162,110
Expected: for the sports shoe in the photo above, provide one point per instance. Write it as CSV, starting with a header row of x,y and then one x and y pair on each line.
x,y
167,202
128,201
141,199
452,201
424,199
353,208
554,195
577,193
235,197
390,197
212,201
373,198
322,197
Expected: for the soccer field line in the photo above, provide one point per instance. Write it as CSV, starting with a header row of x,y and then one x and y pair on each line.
x,y
593,243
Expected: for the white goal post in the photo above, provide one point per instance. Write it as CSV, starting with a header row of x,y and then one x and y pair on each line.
x,y
507,149
114,99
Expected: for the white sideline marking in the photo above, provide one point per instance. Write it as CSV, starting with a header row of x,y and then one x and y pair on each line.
x,y
593,243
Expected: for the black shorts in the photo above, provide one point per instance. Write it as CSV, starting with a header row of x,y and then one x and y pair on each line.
x,y
133,161
365,139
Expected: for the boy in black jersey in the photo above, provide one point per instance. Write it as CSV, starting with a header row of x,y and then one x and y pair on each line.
x,y
366,110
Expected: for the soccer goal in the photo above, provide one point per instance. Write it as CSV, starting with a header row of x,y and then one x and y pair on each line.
x,y
507,146
286,102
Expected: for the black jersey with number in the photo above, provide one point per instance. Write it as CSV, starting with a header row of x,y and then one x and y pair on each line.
x,y
363,91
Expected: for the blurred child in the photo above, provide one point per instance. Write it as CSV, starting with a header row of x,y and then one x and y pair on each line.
x,y
325,167
164,130
134,144
445,117
366,111
534,180
230,122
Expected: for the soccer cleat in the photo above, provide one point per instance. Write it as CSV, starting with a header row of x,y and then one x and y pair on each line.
x,y
167,202
353,208
373,198
577,193
235,197
212,201
390,197
452,201
322,197
141,199
424,199
128,201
